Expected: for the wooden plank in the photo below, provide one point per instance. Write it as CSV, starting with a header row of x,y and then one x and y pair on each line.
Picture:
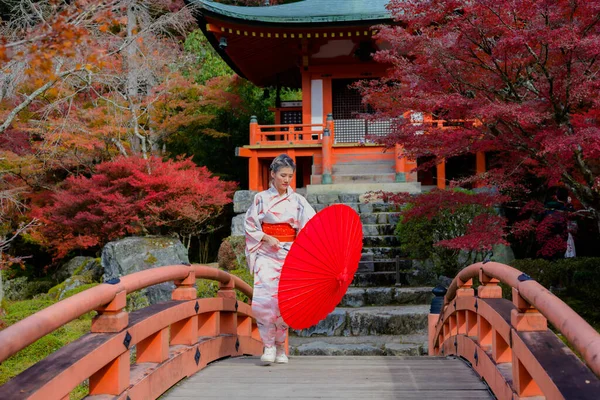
x,y
312,377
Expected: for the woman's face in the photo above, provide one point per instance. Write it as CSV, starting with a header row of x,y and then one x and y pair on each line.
x,y
282,179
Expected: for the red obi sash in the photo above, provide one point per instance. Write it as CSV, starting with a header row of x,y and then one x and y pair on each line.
x,y
282,232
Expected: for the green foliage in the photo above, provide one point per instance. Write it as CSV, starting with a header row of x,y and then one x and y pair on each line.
x,y
209,63
207,288
136,301
436,226
217,151
574,280
21,288
16,311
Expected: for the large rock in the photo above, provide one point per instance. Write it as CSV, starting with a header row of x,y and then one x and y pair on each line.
x,y
242,199
80,266
237,225
134,254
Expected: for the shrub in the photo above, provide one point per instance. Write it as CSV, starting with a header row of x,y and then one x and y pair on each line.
x,y
231,254
574,280
21,288
451,227
131,196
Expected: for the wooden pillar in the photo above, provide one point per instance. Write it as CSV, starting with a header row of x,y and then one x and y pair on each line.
x,y
111,317
306,103
327,100
254,133
292,154
326,149
400,163
479,165
253,172
441,175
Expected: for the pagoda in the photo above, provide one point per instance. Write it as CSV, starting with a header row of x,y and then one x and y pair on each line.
x,y
320,47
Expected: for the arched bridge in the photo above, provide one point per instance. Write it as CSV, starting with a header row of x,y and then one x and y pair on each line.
x,y
481,346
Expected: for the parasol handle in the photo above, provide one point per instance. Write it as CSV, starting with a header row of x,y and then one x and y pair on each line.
x,y
342,278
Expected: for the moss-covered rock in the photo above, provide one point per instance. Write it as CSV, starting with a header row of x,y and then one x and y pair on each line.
x,y
135,254
78,266
68,287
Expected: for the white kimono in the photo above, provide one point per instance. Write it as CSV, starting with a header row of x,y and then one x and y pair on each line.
x,y
266,262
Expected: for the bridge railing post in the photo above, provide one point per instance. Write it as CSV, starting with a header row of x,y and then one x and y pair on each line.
x,y
186,330
525,318
112,378
111,317
228,319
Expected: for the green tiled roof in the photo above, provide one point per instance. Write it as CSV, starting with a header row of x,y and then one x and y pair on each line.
x,y
306,11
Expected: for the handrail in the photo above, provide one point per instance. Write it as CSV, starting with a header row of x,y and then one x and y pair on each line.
x,y
584,338
294,125
23,333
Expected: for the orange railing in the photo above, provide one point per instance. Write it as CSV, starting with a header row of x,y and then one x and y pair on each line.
x,y
173,339
508,342
287,134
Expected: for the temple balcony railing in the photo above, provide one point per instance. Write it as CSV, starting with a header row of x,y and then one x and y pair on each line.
x,y
342,131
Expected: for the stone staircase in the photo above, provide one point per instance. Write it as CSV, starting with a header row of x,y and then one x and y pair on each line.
x,y
380,245
370,321
379,315
356,168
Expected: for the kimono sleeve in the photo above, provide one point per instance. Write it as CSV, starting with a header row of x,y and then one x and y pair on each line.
x,y
253,230
305,212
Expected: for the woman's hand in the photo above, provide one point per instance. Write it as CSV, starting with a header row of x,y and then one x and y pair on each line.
x,y
271,241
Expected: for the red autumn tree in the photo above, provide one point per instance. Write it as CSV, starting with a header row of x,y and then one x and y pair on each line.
x,y
452,228
521,76
130,196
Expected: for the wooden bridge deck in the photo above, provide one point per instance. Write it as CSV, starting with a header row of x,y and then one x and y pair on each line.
x,y
334,378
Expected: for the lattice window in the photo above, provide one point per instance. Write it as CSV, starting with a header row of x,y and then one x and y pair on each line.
x,y
356,130
347,101
347,109
291,117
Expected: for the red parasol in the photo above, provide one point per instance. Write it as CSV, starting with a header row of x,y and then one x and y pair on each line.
x,y
320,266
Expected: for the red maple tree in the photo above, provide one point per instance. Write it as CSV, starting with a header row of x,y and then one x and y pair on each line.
x,y
521,77
130,196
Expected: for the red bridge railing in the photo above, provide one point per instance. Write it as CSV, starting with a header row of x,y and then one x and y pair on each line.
x,y
508,343
173,339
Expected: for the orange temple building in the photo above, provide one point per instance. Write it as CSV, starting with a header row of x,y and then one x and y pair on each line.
x,y
320,47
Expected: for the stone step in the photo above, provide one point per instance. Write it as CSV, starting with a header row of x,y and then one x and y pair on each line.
x,y
381,241
356,178
382,252
367,208
350,168
375,265
390,218
362,188
388,345
378,229
381,296
363,321
363,168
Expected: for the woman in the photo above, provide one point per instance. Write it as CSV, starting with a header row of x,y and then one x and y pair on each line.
x,y
271,224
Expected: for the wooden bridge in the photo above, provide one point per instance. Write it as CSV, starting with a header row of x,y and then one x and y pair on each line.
x,y
480,346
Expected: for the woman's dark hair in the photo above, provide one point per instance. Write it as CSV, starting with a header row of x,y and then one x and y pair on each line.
x,y
282,161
